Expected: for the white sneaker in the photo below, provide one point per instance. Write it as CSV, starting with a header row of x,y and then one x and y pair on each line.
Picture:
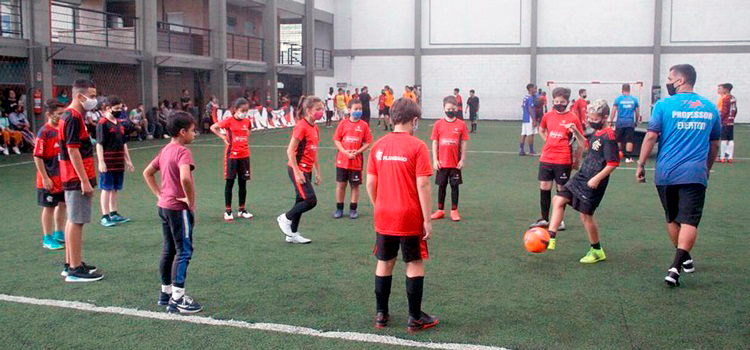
x,y
298,239
228,216
628,160
285,225
4,150
149,137
562,226
16,150
166,136
244,214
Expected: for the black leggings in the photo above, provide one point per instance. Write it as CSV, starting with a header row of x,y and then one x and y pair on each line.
x,y
305,200
454,196
242,193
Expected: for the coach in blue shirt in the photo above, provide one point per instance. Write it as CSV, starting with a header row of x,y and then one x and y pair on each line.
x,y
626,111
687,127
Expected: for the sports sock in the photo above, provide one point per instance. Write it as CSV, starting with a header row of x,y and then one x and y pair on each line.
x,y
414,288
679,256
228,194
177,293
340,206
229,210
723,149
106,217
58,232
166,288
531,148
382,292
552,234
113,213
520,147
441,196
242,193
241,208
454,197
596,246
730,149
545,200
353,206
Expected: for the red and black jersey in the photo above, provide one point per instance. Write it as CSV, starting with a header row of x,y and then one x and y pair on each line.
x,y
556,148
73,134
728,109
307,151
352,136
449,136
238,135
111,135
47,148
602,152
460,102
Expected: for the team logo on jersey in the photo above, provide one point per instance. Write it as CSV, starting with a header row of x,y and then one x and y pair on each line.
x,y
596,145
556,135
695,104
448,142
379,156
49,199
351,139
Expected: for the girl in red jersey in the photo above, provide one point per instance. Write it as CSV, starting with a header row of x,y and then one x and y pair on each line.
x,y
303,162
352,138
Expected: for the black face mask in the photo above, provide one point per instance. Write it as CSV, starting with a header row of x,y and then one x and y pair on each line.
x,y
117,114
560,108
584,96
671,89
596,126
450,114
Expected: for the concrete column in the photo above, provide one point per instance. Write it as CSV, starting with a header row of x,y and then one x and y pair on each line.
x,y
271,49
418,42
37,17
308,46
217,22
147,43
655,76
534,31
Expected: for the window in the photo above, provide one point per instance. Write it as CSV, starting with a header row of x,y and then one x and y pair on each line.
x,y
231,25
176,18
250,28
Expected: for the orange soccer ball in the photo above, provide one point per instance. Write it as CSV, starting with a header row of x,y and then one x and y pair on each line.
x,y
536,239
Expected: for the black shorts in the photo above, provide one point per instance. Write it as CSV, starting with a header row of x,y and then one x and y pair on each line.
x,y
413,248
366,115
329,115
49,200
237,168
558,172
460,114
381,111
473,116
625,135
448,175
727,133
304,191
579,204
683,204
387,111
353,177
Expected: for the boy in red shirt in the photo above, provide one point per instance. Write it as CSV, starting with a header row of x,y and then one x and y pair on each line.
x,y
459,104
352,138
78,177
302,153
114,158
176,197
581,105
398,182
236,155
49,187
557,158
449,139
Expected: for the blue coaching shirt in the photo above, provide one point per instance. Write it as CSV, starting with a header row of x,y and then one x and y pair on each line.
x,y
528,103
626,106
686,123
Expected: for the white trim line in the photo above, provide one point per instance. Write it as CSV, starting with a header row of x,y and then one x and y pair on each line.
x,y
270,327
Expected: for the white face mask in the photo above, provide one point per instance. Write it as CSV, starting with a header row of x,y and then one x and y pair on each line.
x,y
90,103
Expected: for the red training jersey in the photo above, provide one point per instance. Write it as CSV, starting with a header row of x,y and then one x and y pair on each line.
x,y
397,159
557,146
352,136
47,148
460,101
381,102
307,151
449,136
579,108
73,134
238,136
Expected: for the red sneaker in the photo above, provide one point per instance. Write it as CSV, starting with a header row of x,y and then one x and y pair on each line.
x,y
437,215
455,216
721,160
731,160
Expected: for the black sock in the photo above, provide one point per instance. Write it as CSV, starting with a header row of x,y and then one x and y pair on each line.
x,y
113,213
454,197
352,206
679,256
552,234
382,293
105,216
596,245
441,196
414,288
340,206
545,199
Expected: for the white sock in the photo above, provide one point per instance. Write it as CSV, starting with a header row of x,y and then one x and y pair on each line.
x,y
166,289
730,149
177,293
723,150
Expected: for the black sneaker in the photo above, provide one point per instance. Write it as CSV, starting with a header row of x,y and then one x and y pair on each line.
x,y
89,268
381,320
185,305
80,274
688,266
673,278
425,321
164,299
66,267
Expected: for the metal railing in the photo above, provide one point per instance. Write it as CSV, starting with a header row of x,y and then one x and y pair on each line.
x,y
11,23
244,47
177,38
323,58
74,25
290,54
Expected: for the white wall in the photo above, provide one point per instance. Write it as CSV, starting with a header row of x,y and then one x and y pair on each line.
x,y
322,84
393,29
342,26
325,5
732,69
700,22
323,35
375,72
595,23
499,82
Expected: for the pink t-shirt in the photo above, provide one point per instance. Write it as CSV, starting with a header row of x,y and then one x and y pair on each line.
x,y
168,162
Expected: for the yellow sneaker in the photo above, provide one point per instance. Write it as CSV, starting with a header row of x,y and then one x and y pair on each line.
x,y
593,256
551,244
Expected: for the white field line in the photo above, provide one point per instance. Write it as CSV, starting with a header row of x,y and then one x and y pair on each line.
x,y
270,327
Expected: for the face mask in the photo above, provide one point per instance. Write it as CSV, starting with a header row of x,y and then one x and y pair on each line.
x,y
64,95
560,108
356,114
318,115
584,96
450,114
596,126
90,103
671,89
117,114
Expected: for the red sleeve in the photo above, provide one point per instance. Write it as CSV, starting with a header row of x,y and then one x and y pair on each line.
x,y
73,132
155,162
39,145
543,124
435,133
372,168
299,131
725,107
465,133
368,135
578,125
424,168
338,135
611,150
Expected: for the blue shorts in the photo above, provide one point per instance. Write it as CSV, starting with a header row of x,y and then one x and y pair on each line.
x,y
111,181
